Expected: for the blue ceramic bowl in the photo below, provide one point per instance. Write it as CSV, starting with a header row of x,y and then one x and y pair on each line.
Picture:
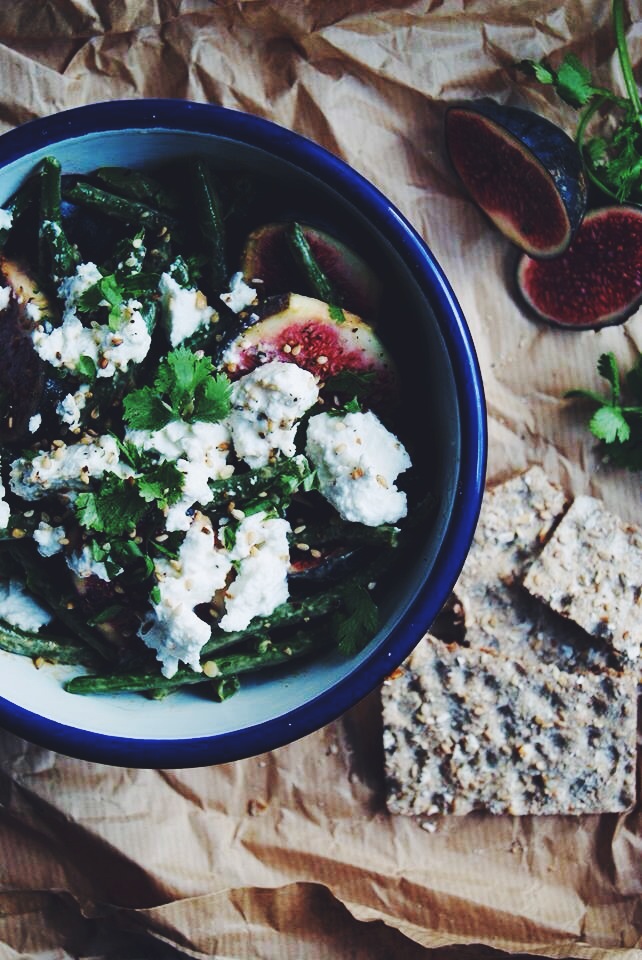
x,y
437,357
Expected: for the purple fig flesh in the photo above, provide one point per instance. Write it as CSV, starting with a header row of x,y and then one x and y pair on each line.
x,y
523,171
267,256
303,330
597,282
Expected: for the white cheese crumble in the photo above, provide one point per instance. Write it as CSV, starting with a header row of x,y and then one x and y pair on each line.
x,y
357,461
72,288
34,422
110,350
20,609
6,219
70,407
66,467
33,311
200,452
267,404
5,297
49,538
175,631
261,556
83,565
185,311
5,509
240,295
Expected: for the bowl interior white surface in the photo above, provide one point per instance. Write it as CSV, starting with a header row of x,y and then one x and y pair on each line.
x,y
425,364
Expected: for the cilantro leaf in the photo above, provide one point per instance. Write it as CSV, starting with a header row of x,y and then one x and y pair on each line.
x,y
357,621
617,421
144,410
609,424
607,367
106,292
574,83
115,509
162,484
212,403
186,388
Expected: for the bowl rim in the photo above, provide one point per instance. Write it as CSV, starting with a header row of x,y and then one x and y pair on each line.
x,y
202,118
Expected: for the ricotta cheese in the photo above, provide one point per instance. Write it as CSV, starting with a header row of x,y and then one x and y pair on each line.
x,y
357,461
185,311
110,349
83,565
20,609
65,468
5,296
261,557
240,294
5,509
174,630
200,452
6,219
49,539
70,407
267,404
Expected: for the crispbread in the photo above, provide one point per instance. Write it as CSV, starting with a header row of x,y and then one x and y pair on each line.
x,y
515,520
467,729
590,571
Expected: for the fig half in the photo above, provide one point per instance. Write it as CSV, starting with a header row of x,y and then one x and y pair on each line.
x,y
305,331
267,256
597,282
522,170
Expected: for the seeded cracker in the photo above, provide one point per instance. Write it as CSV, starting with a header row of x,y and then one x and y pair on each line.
x,y
591,572
466,729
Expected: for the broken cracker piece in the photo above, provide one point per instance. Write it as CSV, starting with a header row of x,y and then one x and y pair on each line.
x,y
515,520
466,729
590,572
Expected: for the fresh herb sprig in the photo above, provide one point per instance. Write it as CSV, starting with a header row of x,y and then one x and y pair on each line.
x,y
617,419
613,163
186,387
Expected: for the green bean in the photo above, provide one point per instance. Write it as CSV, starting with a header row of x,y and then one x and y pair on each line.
x,y
274,480
210,222
17,205
120,208
139,186
58,257
288,614
265,656
307,262
38,582
336,530
47,646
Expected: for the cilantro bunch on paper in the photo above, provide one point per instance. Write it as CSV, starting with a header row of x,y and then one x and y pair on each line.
x,y
613,160
617,419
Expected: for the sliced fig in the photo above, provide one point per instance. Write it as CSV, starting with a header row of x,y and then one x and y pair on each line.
x,y
597,282
302,330
267,256
522,170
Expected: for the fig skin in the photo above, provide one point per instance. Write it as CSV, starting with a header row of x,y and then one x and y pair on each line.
x,y
302,330
522,170
597,282
267,256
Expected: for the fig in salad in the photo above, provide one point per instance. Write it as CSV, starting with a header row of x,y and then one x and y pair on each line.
x,y
202,469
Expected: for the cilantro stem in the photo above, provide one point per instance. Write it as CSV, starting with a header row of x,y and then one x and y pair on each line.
x,y
625,60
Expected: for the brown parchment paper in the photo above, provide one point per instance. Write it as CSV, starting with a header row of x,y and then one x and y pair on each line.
x,y
292,854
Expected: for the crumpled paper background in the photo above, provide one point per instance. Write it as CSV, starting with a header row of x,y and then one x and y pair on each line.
x,y
292,854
